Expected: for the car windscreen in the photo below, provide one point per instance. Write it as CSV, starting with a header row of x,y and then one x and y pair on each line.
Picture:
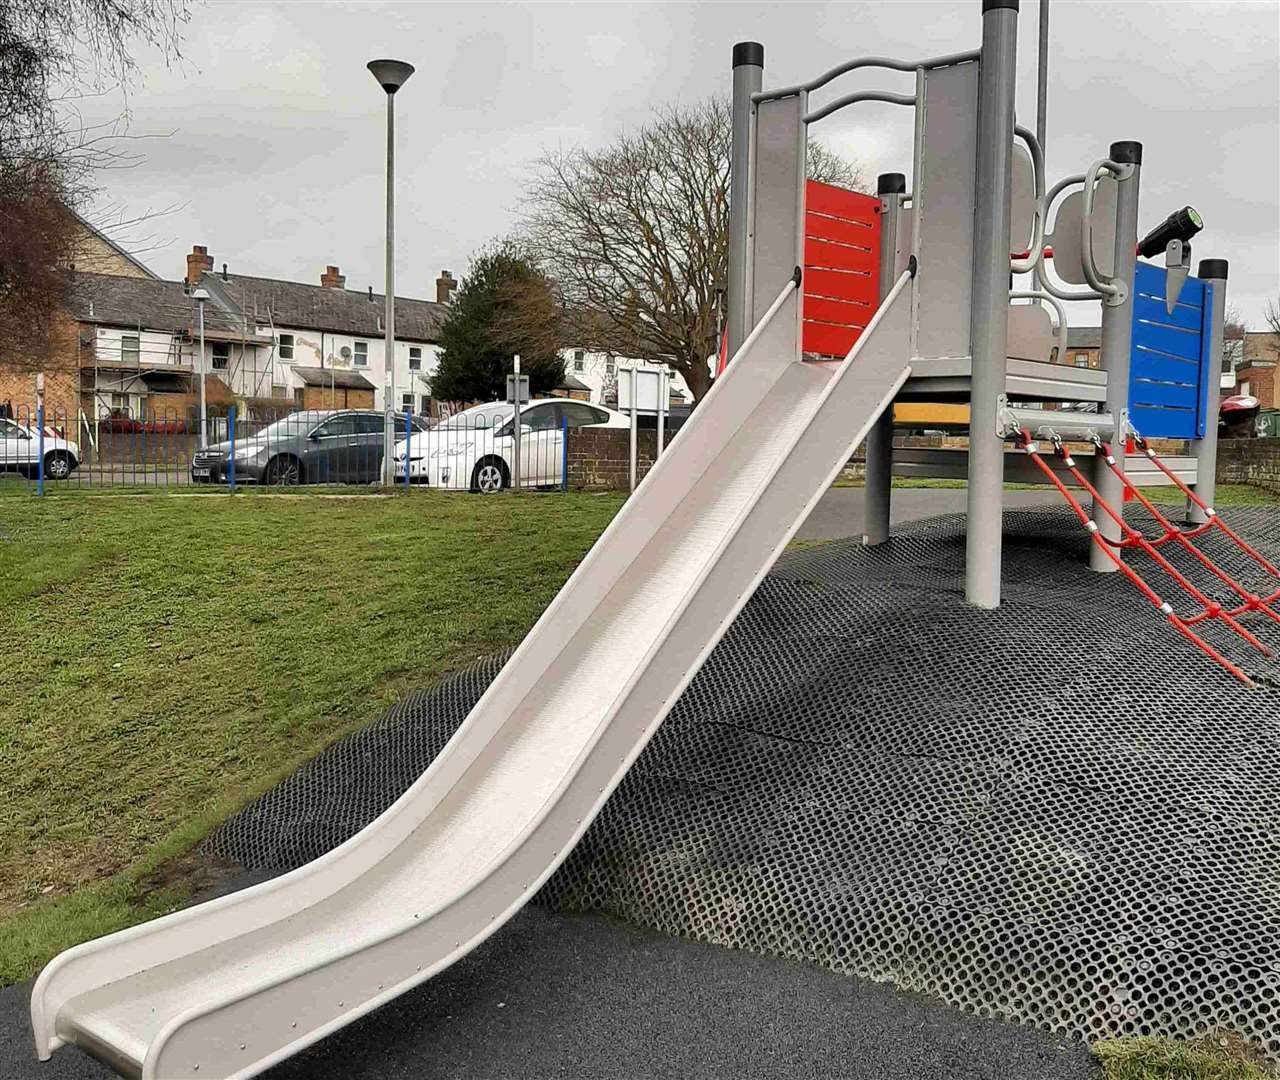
x,y
476,418
293,424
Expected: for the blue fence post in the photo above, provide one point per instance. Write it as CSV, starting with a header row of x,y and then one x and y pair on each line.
x,y
564,453
231,437
40,447
408,434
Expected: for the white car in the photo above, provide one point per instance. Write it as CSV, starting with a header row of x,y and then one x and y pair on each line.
x,y
475,450
20,450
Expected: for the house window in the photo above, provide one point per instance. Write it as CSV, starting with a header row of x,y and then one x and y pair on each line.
x,y
286,346
1245,388
279,390
361,354
221,355
130,348
415,358
579,360
120,403
406,402
425,408
609,365
1082,361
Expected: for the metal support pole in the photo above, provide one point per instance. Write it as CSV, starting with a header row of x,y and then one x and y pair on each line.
x,y
1042,95
662,412
564,453
39,445
204,415
1214,273
517,435
989,334
389,346
1117,343
408,436
634,428
748,75
879,447
231,438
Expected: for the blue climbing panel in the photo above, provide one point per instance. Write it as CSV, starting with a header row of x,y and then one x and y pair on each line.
x,y
1170,362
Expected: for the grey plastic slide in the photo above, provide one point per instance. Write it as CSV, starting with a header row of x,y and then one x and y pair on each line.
x,y
232,986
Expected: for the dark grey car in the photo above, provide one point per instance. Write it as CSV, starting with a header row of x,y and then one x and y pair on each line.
x,y
314,446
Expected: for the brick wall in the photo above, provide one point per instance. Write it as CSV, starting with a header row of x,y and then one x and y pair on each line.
x,y
599,459
61,393
1250,461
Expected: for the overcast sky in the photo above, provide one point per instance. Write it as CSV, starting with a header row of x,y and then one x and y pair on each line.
x,y
276,152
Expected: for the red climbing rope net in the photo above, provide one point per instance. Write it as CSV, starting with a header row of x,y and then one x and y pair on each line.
x,y
1130,537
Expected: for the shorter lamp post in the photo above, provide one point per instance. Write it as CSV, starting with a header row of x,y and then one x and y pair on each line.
x,y
200,296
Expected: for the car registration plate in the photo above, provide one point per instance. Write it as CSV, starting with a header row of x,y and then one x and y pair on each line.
x,y
200,473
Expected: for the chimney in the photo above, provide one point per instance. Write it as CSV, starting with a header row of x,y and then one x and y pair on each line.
x,y
331,279
197,263
444,287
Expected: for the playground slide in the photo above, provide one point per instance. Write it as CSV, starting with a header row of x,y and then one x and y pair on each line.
x,y
234,985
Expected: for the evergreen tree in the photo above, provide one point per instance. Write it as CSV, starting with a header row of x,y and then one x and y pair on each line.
x,y
505,306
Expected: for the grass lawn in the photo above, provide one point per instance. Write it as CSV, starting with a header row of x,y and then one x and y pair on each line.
x,y
167,657
1222,1057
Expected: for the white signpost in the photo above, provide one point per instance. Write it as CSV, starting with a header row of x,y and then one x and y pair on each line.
x,y
644,391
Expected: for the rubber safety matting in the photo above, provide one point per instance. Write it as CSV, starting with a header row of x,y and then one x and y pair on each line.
x,y
1058,812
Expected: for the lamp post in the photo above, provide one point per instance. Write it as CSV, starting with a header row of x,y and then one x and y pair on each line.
x,y
200,296
391,75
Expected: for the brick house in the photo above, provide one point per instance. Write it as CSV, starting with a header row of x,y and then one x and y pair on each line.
x,y
1256,371
1083,346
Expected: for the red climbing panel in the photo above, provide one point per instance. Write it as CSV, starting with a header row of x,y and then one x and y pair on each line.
x,y
841,282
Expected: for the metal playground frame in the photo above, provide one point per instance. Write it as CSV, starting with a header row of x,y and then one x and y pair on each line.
x,y
978,209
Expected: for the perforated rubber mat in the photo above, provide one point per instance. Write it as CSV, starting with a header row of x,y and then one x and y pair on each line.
x,y
1058,812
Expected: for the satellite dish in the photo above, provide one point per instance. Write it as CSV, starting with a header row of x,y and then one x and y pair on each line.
x,y
345,352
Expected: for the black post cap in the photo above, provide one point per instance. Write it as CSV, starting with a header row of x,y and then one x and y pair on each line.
x,y
995,5
1212,269
1126,152
891,183
748,53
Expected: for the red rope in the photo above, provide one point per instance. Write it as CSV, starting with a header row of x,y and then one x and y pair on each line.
x,y
1251,602
1181,625
1129,532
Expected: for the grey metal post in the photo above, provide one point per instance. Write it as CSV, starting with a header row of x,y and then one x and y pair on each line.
x,y
204,414
663,396
748,75
1214,272
389,346
1117,341
1042,94
879,448
517,435
989,323
634,426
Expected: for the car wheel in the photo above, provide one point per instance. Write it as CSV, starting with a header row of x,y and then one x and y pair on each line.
x,y
58,465
284,470
490,476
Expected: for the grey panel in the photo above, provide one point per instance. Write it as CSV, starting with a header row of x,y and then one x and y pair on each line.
x,y
1065,239
777,201
943,210
1030,332
1023,207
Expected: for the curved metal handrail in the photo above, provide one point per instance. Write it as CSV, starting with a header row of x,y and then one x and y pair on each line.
x,y
860,95
1021,266
886,62
1113,292
1047,285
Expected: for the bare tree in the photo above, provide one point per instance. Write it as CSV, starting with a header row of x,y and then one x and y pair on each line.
x,y
1271,316
53,53
1233,331
636,234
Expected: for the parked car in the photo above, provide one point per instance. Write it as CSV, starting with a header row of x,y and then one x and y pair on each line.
x,y
475,450
329,446
20,451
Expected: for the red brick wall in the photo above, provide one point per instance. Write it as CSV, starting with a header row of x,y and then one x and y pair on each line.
x,y
1250,461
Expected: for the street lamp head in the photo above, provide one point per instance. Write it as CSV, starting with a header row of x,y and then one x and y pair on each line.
x,y
199,294
391,74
